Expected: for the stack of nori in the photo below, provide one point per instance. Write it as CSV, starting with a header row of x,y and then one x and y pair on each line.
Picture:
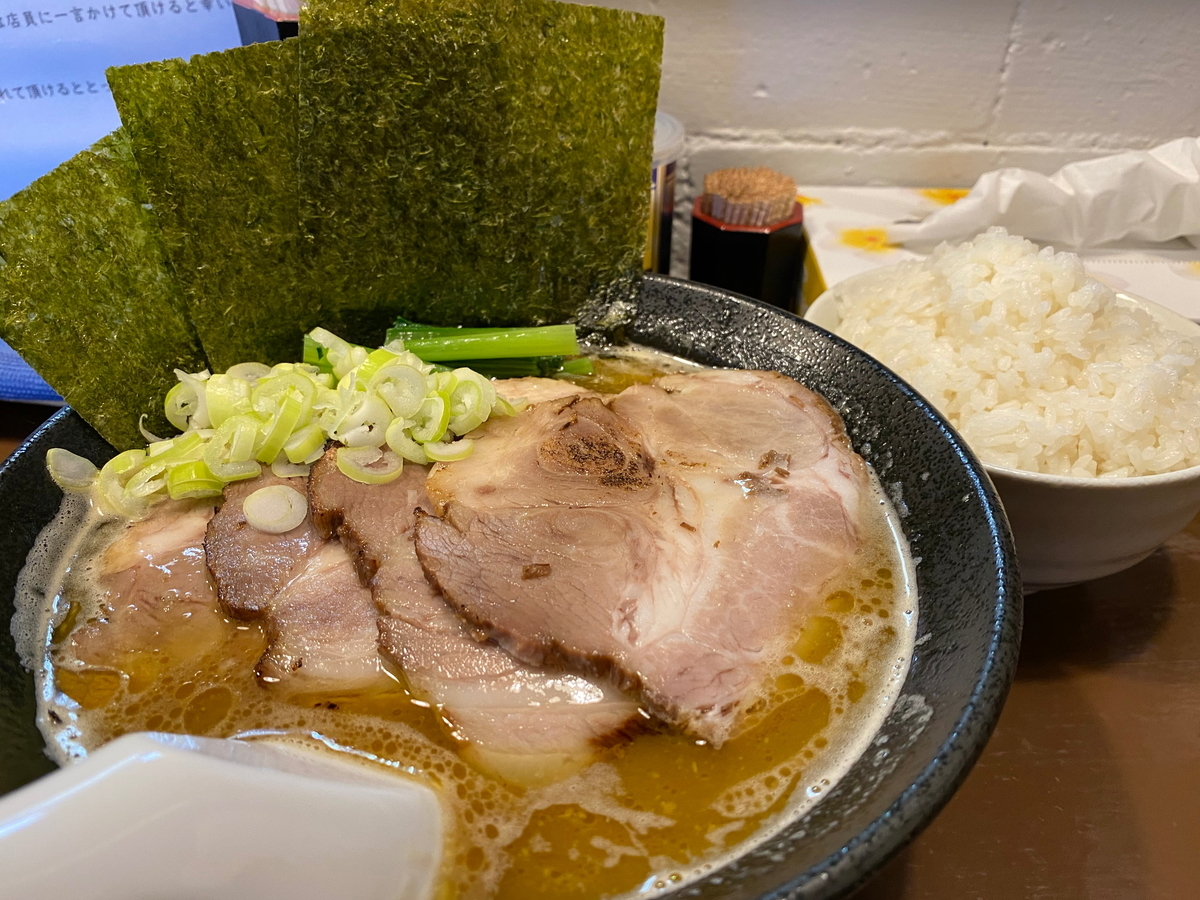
x,y
451,161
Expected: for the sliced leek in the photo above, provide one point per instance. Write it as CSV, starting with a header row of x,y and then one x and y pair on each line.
x,y
385,406
227,396
369,465
275,509
70,471
191,480
449,452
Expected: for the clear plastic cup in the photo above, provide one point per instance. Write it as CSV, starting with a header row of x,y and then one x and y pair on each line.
x,y
668,147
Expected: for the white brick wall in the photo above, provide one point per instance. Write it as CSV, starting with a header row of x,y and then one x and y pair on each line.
x,y
923,92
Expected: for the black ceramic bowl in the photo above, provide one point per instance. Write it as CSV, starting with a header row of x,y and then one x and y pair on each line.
x,y
968,591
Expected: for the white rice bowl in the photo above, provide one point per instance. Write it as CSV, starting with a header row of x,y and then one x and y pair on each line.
x,y
1039,367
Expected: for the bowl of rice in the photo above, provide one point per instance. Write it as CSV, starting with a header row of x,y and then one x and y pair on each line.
x,y
1082,403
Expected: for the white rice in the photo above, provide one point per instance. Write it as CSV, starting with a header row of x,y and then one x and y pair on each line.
x,y
1038,366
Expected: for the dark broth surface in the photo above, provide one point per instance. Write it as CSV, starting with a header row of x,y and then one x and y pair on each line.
x,y
647,815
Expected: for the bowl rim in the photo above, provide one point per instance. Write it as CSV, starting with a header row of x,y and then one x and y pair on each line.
x,y
1100,482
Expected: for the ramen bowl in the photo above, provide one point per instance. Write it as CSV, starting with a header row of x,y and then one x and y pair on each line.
x,y
969,598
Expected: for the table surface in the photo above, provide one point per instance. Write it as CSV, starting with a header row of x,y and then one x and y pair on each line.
x,y
1090,787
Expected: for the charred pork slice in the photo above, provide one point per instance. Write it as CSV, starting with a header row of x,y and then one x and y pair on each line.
x,y
673,537
251,566
320,621
524,723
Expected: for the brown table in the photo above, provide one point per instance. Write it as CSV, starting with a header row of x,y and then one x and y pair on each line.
x,y
1090,787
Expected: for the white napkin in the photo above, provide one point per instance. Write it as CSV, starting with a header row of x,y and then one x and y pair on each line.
x,y
1144,195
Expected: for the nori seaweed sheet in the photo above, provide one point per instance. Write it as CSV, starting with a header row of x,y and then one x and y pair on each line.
x,y
215,140
87,295
474,161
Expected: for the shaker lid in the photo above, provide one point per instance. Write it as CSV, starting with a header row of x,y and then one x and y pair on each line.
x,y
668,139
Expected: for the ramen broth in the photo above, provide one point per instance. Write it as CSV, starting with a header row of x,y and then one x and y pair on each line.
x,y
647,815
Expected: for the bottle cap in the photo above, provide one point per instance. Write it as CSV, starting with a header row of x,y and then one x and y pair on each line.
x,y
668,139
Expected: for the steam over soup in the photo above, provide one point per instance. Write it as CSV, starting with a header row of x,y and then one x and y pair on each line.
x,y
648,621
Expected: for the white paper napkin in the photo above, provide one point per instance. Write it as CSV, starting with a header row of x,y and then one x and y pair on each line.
x,y
1140,196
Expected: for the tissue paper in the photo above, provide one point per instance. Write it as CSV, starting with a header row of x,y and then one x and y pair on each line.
x,y
1140,196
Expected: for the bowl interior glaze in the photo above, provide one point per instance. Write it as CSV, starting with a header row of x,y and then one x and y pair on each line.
x,y
968,589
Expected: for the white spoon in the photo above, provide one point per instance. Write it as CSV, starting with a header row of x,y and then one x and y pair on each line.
x,y
171,817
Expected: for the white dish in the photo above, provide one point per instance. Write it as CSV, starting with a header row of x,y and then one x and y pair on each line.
x,y
1069,530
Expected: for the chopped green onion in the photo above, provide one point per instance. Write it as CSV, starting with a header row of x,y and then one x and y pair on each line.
x,y
342,356
146,433
235,471
316,355
230,452
402,444
272,391
110,483
369,465
402,387
190,480
282,425
275,509
227,396
187,403
149,480
366,423
183,402
70,471
385,406
375,360
184,447
439,451
235,441
306,445
471,401
503,407
284,469
431,420
250,372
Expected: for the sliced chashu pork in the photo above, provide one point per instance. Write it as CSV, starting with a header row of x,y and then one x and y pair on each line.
x,y
252,566
526,724
321,628
672,537
319,620
536,390
157,597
